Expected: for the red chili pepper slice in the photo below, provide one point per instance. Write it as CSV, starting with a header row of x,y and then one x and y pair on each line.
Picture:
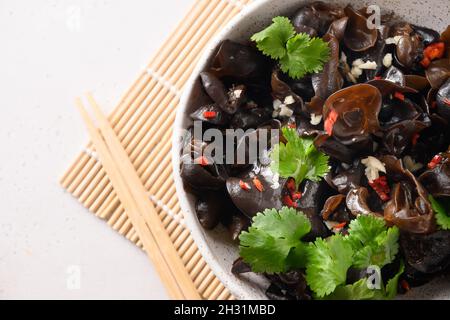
x,y
435,161
297,195
258,184
432,52
203,161
287,200
435,50
399,96
340,225
209,114
381,187
447,101
425,62
405,285
330,121
244,185
290,185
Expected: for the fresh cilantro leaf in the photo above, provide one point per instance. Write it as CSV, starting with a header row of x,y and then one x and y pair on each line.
x,y
442,210
360,290
372,241
304,55
298,158
297,257
298,54
356,291
364,229
328,262
272,40
272,243
392,284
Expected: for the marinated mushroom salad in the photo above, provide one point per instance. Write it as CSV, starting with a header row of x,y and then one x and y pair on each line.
x,y
350,196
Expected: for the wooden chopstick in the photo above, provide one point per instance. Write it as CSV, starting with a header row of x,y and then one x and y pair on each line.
x,y
150,214
141,211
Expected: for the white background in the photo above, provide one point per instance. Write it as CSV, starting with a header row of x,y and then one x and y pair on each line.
x,y
51,52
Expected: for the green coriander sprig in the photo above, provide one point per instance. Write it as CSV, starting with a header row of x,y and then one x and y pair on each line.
x,y
298,158
442,211
274,244
298,54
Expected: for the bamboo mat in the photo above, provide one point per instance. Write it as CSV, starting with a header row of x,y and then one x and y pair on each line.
x,y
143,121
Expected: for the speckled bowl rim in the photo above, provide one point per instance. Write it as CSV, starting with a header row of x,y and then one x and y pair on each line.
x,y
231,282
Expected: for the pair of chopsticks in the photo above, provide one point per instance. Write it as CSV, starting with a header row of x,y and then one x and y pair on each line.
x,y
137,205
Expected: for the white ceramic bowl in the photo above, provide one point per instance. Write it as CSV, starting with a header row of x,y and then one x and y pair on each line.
x,y
219,252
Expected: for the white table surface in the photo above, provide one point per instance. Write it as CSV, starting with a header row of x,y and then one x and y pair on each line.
x,y
50,52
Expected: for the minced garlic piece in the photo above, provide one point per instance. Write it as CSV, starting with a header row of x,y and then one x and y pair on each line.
x,y
369,65
277,104
315,119
373,167
387,60
356,72
285,111
289,100
393,40
357,62
237,93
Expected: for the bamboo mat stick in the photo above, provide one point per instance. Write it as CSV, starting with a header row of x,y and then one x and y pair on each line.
x,y
86,181
150,217
193,262
134,90
151,247
172,40
184,28
100,189
224,295
172,64
109,198
91,186
74,168
142,126
129,122
170,50
210,27
144,178
192,35
118,214
174,51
